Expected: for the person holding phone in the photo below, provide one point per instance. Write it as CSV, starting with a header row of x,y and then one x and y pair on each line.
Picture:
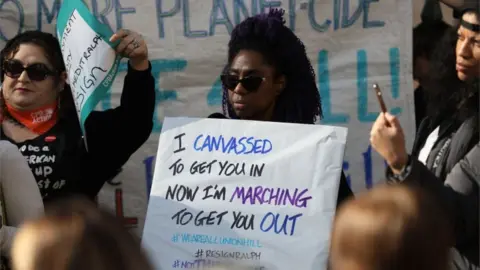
x,y
39,115
445,156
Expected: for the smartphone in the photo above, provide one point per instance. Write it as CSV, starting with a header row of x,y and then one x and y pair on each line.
x,y
378,93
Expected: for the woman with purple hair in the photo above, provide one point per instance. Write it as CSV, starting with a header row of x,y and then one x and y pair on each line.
x,y
269,77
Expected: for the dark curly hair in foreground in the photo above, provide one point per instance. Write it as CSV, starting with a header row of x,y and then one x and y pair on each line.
x,y
267,34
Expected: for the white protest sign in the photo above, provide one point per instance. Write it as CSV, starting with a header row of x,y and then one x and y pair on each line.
x,y
90,60
243,192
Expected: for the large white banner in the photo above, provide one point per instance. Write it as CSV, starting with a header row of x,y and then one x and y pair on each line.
x,y
242,192
351,43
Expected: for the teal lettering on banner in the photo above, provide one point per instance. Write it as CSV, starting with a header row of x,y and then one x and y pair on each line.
x,y
49,14
219,16
159,67
187,31
313,21
165,14
240,10
20,14
292,6
342,16
348,20
394,54
366,22
120,11
111,5
214,96
102,16
364,87
324,87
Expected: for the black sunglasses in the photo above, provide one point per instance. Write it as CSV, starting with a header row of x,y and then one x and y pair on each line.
x,y
35,72
250,83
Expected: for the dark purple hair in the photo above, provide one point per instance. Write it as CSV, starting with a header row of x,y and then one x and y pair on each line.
x,y
267,34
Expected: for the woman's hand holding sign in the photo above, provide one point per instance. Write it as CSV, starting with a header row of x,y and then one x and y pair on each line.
x,y
132,46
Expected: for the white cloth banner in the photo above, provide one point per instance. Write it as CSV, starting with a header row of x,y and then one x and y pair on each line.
x,y
351,44
243,192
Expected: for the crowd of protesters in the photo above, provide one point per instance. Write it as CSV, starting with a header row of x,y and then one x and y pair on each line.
x,y
425,217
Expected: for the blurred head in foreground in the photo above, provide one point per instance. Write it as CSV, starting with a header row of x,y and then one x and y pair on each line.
x,y
75,235
390,228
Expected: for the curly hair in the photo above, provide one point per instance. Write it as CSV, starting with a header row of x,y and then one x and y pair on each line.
x,y
425,37
267,34
51,46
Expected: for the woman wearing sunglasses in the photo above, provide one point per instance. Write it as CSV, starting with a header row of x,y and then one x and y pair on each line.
x,y
269,77
39,115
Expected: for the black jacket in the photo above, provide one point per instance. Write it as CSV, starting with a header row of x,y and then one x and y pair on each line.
x,y
59,160
452,175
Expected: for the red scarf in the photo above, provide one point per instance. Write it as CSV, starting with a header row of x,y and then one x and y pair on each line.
x,y
38,121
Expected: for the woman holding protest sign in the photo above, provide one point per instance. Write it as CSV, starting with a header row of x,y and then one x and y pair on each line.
x,y
445,155
269,77
40,116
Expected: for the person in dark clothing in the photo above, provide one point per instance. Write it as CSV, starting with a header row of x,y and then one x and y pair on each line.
x,y
269,77
39,115
444,159
426,37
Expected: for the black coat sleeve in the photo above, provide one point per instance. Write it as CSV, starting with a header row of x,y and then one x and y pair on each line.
x,y
458,194
115,134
